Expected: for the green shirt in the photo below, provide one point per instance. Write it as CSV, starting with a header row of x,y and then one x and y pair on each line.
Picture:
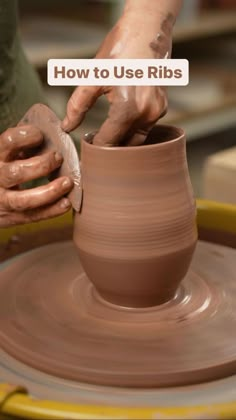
x,y
19,85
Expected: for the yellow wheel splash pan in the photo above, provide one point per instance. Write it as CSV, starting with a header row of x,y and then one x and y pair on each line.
x,y
41,396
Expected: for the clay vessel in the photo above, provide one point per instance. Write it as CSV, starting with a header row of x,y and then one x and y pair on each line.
x,y
136,231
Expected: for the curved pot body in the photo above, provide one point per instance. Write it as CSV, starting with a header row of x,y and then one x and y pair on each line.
x,y
136,231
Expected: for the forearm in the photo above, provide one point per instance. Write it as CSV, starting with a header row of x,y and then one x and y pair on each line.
x,y
153,20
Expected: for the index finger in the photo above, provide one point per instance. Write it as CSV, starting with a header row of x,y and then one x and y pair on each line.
x,y
78,105
116,127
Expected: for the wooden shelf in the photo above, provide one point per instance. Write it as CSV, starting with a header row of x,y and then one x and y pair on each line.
x,y
207,25
204,124
65,39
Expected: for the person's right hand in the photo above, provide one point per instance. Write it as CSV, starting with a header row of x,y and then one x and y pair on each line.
x,y
23,206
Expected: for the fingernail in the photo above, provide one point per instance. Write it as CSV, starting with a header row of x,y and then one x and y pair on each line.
x,y
65,123
65,203
90,136
67,183
58,157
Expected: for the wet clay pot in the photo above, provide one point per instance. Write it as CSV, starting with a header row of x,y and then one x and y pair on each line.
x,y
136,231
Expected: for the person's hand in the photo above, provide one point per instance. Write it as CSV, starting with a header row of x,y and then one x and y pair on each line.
x,y
133,109
23,206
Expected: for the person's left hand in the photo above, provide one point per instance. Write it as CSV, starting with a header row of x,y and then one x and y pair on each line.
x,y
133,109
19,206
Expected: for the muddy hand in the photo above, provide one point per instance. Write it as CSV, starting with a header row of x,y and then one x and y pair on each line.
x,y
133,109
24,206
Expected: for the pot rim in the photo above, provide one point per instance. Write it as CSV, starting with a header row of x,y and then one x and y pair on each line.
x,y
180,135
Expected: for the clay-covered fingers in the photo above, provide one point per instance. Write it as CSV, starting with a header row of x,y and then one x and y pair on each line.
x,y
121,128
131,115
80,102
21,201
35,215
20,171
117,125
15,140
152,113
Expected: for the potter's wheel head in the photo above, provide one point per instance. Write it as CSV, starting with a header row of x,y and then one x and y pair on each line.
x,y
52,320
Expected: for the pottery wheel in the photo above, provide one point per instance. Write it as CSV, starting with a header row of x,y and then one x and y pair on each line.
x,y
51,319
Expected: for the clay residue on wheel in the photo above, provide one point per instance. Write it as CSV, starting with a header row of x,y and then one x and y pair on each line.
x,y
52,319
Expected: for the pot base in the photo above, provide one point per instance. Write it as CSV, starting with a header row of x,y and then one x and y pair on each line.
x,y
52,319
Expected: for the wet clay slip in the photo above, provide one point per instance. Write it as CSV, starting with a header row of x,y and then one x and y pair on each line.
x,y
55,138
52,319
136,231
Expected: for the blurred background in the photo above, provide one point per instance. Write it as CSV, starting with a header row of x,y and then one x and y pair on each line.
x,y
205,34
